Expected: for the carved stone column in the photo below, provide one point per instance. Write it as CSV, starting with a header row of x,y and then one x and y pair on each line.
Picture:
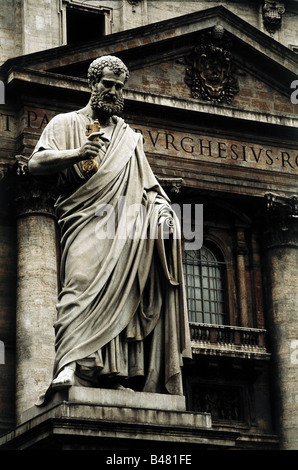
x,y
36,288
281,280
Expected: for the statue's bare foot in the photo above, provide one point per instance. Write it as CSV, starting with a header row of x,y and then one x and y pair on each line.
x,y
121,387
64,379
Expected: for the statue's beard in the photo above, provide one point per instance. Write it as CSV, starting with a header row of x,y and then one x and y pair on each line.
x,y
104,108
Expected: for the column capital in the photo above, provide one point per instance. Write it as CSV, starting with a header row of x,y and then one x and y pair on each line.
x,y
32,195
282,205
281,221
272,15
173,185
241,245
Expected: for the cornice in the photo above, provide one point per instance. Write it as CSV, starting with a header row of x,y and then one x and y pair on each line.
x,y
19,75
195,105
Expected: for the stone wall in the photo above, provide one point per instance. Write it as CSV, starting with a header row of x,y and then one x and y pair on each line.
x,y
28,26
11,29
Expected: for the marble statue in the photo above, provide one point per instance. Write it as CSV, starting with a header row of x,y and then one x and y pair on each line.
x,y
121,313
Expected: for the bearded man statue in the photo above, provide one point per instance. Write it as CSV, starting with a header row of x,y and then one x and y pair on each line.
x,y
121,313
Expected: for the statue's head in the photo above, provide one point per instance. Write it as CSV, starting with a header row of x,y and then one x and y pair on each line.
x,y
107,76
113,63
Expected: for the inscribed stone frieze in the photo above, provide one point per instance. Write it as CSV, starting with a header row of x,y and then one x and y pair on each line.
x,y
176,143
206,148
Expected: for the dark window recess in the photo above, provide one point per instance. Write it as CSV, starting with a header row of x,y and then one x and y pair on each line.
x,y
84,26
224,403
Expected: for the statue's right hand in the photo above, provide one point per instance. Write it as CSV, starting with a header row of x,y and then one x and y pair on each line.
x,y
89,150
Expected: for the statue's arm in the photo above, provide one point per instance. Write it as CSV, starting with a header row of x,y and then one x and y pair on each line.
x,y
48,162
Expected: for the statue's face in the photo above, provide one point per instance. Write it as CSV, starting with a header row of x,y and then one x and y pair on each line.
x,y
106,94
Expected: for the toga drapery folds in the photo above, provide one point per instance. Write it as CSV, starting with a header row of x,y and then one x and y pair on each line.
x,y
122,306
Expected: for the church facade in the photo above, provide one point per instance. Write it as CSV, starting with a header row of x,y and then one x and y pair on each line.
x,y
213,89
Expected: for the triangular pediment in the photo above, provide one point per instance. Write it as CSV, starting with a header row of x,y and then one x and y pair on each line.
x,y
250,129
162,59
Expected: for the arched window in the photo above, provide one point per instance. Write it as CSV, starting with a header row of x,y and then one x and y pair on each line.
x,y
204,272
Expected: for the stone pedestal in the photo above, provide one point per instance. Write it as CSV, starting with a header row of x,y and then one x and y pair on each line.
x,y
281,275
99,419
36,289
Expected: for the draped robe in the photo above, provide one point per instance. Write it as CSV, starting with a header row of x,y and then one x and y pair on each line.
x,y
122,307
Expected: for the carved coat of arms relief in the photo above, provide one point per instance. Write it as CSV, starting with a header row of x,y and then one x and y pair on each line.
x,y
210,72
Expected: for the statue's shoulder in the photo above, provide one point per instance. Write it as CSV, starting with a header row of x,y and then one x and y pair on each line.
x,y
66,117
70,115
63,122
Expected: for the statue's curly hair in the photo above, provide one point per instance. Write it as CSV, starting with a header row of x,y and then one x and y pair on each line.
x,y
114,63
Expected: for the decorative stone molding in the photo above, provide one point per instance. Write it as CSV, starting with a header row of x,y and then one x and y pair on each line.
x,y
210,73
272,16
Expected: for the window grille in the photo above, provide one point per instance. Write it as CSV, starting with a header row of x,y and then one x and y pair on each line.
x,y
204,272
